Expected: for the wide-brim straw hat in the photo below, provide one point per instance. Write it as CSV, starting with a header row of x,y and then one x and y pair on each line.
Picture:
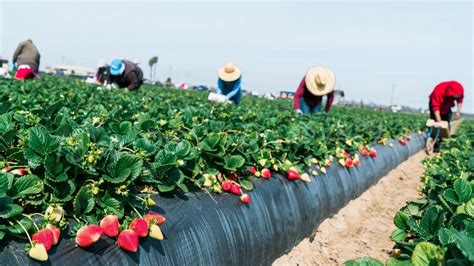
x,y
229,72
320,81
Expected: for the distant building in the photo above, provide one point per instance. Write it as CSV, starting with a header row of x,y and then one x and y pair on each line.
x,y
69,70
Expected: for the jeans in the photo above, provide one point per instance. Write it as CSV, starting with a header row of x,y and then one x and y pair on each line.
x,y
306,109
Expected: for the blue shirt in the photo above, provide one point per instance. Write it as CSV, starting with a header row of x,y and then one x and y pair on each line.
x,y
229,88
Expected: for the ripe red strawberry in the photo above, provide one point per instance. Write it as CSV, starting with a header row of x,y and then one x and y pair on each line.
x,y
252,170
356,162
266,173
140,227
56,233
365,153
327,163
293,175
226,185
87,235
245,198
373,153
128,240
110,225
19,171
346,154
232,176
44,237
349,163
154,218
408,138
235,189
402,141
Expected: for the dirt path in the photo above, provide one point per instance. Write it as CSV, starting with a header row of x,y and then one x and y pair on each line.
x,y
363,227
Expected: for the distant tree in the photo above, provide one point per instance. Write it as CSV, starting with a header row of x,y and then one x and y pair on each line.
x,y
152,63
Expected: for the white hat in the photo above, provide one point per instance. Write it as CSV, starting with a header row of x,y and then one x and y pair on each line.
x,y
229,72
320,81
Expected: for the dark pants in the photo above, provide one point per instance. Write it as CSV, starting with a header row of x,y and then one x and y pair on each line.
x,y
444,117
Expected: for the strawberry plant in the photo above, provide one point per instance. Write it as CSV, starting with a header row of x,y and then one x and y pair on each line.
x,y
76,153
439,228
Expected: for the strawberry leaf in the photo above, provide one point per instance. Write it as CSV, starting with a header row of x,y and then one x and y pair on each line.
x,y
84,201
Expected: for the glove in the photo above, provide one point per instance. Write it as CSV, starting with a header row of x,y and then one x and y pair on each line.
x,y
298,111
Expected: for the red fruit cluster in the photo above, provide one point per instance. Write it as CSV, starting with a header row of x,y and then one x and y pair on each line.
x,y
402,141
226,185
408,138
235,189
364,152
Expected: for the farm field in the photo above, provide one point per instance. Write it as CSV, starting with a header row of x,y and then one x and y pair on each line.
x,y
96,152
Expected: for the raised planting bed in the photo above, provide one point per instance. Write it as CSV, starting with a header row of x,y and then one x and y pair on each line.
x,y
211,229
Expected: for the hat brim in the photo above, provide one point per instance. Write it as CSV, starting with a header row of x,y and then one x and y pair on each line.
x,y
229,76
312,86
117,72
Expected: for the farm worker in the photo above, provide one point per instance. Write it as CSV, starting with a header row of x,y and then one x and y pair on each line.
x,y
317,82
442,99
125,74
26,59
228,83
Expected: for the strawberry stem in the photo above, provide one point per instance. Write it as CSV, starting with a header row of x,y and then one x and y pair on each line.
x,y
136,210
27,216
26,231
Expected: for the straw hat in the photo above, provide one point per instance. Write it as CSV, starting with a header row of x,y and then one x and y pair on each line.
x,y
229,72
320,81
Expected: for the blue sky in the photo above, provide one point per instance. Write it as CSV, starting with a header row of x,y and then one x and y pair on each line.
x,y
369,45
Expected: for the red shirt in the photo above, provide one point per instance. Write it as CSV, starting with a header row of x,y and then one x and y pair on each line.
x,y
309,98
444,94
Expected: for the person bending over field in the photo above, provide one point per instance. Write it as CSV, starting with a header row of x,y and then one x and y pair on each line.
x,y
26,60
228,83
317,83
125,74
442,99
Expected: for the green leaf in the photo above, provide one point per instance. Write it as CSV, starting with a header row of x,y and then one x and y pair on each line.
x,y
64,191
463,190
41,141
395,262
183,187
144,145
364,261
166,188
25,185
400,220
34,160
426,253
183,148
8,209
233,162
84,201
16,229
128,167
450,196
469,208
112,206
398,235
247,185
164,161
53,165
6,182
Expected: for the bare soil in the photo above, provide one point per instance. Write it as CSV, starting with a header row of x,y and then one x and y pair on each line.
x,y
363,227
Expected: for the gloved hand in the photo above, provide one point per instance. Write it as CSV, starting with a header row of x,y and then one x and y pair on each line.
x,y
298,111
